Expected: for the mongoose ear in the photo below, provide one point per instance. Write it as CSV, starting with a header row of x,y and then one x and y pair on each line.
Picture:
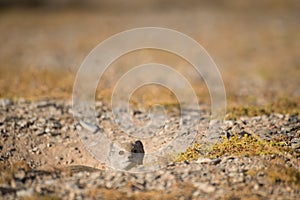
x,y
139,143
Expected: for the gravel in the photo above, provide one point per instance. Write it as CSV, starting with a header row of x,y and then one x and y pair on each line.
x,y
42,135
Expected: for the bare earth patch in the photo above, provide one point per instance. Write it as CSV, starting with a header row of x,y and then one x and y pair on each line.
x,y
257,51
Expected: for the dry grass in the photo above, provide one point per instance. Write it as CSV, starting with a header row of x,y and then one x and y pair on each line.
x,y
41,197
42,84
40,55
174,192
35,84
278,105
277,171
7,170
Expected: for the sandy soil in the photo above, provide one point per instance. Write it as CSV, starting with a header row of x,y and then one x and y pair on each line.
x,y
256,48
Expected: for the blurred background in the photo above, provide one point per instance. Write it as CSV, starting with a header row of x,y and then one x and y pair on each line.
x,y
255,44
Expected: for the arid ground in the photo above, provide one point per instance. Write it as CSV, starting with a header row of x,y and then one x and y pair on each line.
x,y
255,46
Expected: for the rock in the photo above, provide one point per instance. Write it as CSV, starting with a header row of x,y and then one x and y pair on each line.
x,y
203,160
216,161
47,130
40,132
25,192
5,102
89,126
44,104
34,149
23,127
227,158
265,134
239,178
295,143
20,174
205,187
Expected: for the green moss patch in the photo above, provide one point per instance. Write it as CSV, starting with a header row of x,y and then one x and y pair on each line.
x,y
191,153
248,145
